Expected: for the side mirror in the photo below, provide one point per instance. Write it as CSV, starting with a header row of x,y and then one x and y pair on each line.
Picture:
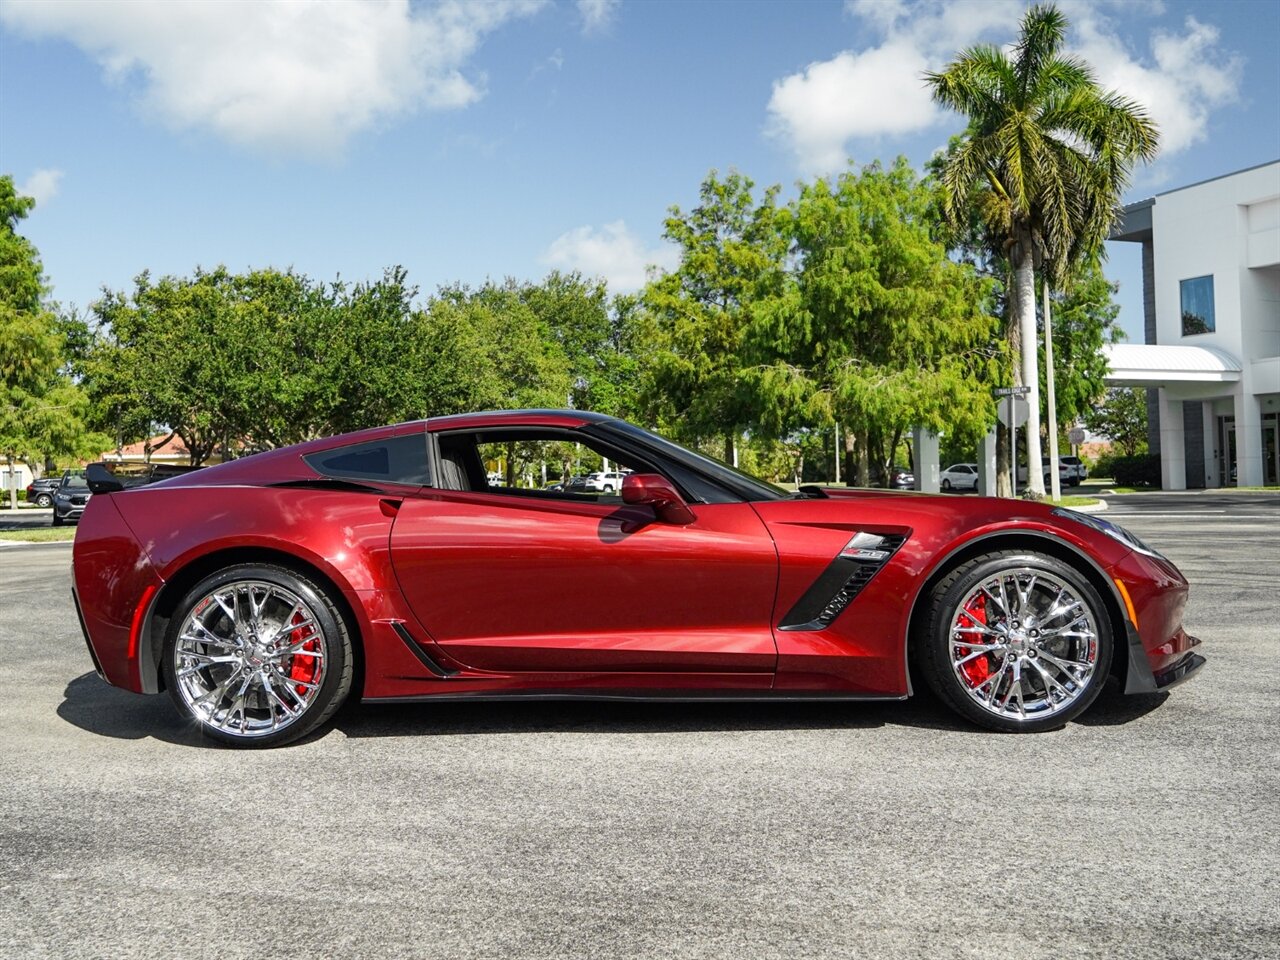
x,y
657,491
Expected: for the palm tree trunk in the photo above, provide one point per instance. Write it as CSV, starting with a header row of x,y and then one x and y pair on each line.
x,y
1024,293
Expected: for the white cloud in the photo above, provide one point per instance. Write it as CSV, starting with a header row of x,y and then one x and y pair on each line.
x,y
1190,76
597,15
877,90
612,252
41,186
300,77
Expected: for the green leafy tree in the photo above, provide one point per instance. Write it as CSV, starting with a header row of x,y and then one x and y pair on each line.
x,y
878,330
732,259
41,410
1045,160
1084,319
1121,417
590,332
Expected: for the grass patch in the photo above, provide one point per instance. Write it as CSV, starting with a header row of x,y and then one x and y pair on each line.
x,y
40,535
1074,501
1243,490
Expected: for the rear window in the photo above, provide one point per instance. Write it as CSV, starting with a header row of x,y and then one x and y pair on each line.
x,y
393,460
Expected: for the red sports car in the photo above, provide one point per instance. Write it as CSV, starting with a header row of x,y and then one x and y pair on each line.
x,y
260,593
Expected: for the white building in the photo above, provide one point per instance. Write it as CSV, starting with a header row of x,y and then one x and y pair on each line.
x,y
1211,296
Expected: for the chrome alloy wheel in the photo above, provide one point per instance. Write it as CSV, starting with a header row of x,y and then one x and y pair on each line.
x,y
249,659
1024,644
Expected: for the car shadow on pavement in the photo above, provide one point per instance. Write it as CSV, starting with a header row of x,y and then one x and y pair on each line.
x,y
92,704
1113,708
458,718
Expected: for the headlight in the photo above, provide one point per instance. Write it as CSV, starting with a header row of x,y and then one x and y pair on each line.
x,y
1112,530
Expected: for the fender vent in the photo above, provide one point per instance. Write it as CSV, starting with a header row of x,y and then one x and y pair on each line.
x,y
839,585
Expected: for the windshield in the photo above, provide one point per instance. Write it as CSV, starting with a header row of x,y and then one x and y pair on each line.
x,y
75,483
743,484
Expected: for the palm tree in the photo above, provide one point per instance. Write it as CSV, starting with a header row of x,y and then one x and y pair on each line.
x,y
1046,159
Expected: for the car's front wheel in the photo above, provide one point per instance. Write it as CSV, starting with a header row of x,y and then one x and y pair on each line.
x,y
946,485
1015,641
257,656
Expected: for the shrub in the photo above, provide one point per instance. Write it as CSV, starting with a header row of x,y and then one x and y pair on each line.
x,y
1140,471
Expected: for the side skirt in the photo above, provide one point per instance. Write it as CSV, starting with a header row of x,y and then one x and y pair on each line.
x,y
728,696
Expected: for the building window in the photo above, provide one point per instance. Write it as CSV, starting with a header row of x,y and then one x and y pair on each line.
x,y
1197,306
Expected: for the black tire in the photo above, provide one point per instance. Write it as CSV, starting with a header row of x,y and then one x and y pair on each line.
x,y
44,500
958,686
57,520
331,637
946,485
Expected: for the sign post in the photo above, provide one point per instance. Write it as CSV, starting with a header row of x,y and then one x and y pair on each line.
x,y
1011,393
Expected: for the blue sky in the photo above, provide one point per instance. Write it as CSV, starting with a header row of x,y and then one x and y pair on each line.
x,y
467,141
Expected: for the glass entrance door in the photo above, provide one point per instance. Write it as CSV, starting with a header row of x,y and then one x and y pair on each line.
x,y
1227,450
1270,450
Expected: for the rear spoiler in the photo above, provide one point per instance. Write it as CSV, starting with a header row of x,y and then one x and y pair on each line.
x,y
111,477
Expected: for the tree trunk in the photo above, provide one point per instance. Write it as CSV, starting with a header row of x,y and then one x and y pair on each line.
x,y
1055,482
891,460
864,458
1004,486
847,464
13,485
1024,293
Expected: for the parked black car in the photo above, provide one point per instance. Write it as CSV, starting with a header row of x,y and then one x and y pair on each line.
x,y
70,497
40,492
902,479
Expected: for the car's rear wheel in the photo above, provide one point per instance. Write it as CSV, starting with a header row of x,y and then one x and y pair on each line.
x,y
44,500
257,656
1015,641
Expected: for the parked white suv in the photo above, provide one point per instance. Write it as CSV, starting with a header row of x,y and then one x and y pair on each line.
x,y
1076,470
1064,473
601,482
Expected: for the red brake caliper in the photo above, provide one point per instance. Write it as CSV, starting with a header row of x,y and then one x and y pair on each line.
x,y
303,668
979,668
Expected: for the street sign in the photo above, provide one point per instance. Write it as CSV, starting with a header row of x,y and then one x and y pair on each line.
x,y
1010,391
1075,436
1020,411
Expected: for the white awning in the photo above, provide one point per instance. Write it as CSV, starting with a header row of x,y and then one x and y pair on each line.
x,y
1158,364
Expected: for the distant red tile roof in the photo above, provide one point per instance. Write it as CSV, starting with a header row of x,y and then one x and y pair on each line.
x,y
174,449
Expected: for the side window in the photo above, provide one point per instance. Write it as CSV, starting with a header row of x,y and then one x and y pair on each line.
x,y
551,465
538,462
393,460
1197,306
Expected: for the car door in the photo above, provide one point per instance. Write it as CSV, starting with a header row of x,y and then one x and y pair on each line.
x,y
525,581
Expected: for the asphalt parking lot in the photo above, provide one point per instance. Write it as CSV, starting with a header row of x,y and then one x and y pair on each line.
x,y
1151,828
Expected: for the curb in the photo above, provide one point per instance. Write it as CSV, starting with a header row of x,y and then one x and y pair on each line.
x,y
1099,507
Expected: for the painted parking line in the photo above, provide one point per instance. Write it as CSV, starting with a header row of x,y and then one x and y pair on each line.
x,y
1197,516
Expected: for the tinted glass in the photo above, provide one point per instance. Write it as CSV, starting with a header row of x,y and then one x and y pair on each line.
x,y
1197,306
742,484
394,460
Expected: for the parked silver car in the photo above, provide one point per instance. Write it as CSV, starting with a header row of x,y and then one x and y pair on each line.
x,y
959,476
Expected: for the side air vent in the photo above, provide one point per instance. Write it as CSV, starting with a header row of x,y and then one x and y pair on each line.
x,y
842,581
